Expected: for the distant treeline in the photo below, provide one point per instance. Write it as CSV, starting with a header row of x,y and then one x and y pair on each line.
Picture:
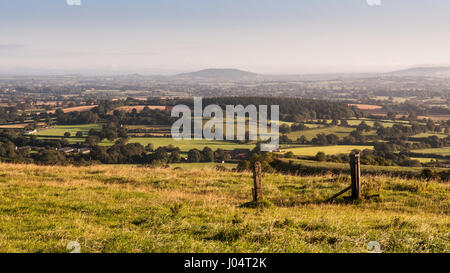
x,y
291,109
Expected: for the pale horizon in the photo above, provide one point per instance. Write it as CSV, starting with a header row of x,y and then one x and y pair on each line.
x,y
266,37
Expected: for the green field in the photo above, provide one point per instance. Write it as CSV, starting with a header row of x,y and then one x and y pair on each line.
x,y
138,209
310,134
445,151
186,145
386,124
425,135
422,159
59,130
309,125
329,150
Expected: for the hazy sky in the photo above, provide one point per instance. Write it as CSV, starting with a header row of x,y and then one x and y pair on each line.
x,y
267,36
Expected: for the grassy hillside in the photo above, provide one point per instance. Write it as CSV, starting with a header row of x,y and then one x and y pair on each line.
x,y
138,209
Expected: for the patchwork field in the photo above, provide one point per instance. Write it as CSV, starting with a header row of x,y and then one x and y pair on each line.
x,y
186,145
137,209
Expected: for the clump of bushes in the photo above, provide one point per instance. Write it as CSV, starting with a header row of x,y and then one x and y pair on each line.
x,y
264,158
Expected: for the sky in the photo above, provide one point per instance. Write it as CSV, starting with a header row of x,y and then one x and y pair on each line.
x,y
263,36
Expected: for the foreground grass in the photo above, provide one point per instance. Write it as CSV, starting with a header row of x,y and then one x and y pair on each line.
x,y
137,209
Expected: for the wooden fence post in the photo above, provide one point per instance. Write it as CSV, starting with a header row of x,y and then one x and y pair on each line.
x,y
355,171
257,190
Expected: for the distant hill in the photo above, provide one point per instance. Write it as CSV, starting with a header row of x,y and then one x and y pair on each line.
x,y
220,74
236,75
443,71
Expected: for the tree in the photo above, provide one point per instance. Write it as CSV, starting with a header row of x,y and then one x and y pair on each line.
x,y
344,123
302,140
285,139
320,139
363,126
391,115
377,124
320,156
207,155
149,147
284,129
222,155
332,139
67,134
244,165
175,157
50,157
110,134
289,154
161,155
430,125
299,127
194,155
92,140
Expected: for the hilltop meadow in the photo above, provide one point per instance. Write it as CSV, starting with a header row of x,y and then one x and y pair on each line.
x,y
131,208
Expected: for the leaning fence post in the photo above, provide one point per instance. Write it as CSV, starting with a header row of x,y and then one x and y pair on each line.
x,y
355,171
257,190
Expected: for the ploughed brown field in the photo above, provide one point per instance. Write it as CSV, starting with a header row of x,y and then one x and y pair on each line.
x,y
435,117
366,106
